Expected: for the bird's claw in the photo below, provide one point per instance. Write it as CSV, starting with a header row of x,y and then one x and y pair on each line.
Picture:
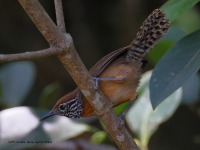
x,y
96,79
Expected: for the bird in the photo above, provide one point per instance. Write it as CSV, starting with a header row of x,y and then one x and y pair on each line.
x,y
117,74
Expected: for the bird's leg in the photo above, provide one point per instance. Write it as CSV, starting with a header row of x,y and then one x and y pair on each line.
x,y
96,79
123,114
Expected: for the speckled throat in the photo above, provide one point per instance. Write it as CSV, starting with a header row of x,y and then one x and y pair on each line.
x,y
74,107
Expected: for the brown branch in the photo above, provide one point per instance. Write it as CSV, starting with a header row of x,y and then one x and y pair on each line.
x,y
59,15
30,55
74,65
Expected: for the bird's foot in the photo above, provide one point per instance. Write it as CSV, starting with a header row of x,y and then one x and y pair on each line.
x,y
96,79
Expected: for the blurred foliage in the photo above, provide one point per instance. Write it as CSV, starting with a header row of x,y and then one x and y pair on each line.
x,y
190,24
191,90
142,119
24,129
49,94
16,78
98,137
174,8
97,28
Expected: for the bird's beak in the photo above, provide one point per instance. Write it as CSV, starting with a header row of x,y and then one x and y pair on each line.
x,y
49,114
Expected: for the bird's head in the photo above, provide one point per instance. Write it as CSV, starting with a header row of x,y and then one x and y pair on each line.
x,y
69,106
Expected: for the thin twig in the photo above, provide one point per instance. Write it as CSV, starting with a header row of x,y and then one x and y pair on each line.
x,y
30,55
60,15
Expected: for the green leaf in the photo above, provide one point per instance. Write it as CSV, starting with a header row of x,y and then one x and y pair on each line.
x,y
142,119
98,137
159,50
16,81
175,8
189,21
176,67
22,124
120,109
49,94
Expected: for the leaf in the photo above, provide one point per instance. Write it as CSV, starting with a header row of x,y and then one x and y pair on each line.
x,y
22,126
98,137
189,21
16,81
167,42
176,67
120,109
142,119
174,34
49,94
191,90
175,8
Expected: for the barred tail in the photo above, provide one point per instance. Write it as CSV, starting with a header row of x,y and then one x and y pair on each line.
x,y
153,28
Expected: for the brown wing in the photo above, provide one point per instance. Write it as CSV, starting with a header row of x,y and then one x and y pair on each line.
x,y
96,71
106,60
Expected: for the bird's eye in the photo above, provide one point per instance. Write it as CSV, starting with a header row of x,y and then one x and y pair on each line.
x,y
62,107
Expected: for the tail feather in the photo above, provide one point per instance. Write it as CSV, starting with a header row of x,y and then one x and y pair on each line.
x,y
153,28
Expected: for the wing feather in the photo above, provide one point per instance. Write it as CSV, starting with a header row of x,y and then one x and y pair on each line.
x,y
106,60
